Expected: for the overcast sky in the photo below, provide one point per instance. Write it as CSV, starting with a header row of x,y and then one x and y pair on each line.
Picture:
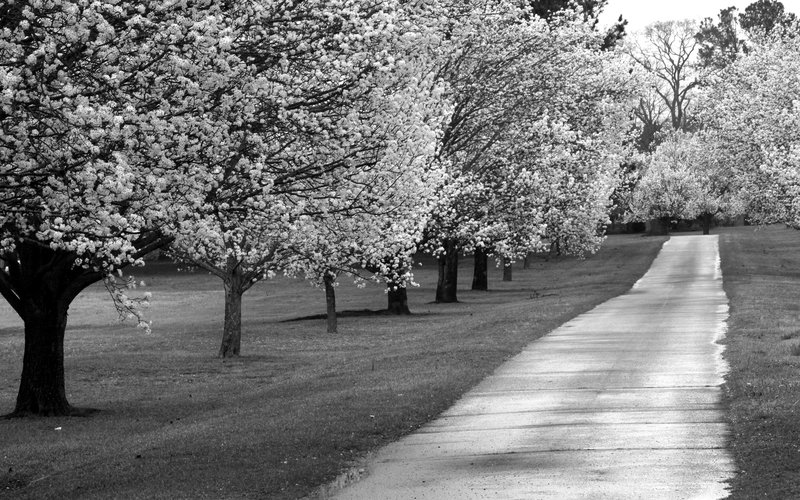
x,y
640,13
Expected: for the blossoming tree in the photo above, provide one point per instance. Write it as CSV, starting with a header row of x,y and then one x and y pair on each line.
x,y
686,177
323,161
522,88
754,112
98,135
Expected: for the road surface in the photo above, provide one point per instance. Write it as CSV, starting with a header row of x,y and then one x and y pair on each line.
x,y
622,402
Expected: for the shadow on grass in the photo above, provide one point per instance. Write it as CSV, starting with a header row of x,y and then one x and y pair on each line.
x,y
348,314
361,313
73,412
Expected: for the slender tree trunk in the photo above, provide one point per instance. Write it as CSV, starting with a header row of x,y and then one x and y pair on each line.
x,y
507,270
706,221
448,273
330,301
480,274
555,249
526,264
41,388
232,329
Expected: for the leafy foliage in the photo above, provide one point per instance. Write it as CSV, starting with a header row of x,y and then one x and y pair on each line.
x,y
763,16
720,43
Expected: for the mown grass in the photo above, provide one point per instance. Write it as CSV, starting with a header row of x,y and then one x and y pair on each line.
x,y
761,273
301,406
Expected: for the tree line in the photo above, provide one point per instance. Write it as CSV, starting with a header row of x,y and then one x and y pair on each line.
x,y
329,139
719,136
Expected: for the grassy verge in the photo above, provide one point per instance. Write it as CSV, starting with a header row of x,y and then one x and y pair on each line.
x,y
300,406
761,271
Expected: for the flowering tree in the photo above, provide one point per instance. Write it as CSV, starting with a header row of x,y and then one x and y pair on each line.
x,y
98,133
374,219
374,232
389,204
753,110
318,150
667,189
666,52
522,89
578,212
685,178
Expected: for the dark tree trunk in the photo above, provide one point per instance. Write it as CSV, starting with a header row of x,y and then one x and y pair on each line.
x,y
232,329
658,227
330,301
41,387
706,220
448,273
555,249
507,270
40,284
397,300
480,275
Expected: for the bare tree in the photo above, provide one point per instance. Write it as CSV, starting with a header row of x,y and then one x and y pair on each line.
x,y
650,114
666,51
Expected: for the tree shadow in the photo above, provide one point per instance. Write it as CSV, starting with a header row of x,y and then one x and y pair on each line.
x,y
348,314
72,412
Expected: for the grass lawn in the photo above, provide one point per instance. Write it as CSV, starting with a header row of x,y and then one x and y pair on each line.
x,y
761,272
301,406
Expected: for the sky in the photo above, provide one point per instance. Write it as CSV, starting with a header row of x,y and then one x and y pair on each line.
x,y
640,13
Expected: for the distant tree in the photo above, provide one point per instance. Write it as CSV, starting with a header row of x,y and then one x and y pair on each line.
x,y
591,10
720,42
529,97
546,8
666,51
650,115
763,16
669,188
753,109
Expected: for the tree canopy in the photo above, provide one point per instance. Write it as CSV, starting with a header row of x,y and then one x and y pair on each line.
x,y
722,41
330,139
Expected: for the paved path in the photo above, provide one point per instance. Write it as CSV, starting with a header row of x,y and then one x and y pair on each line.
x,y
622,402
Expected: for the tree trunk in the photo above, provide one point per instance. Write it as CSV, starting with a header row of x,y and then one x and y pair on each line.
x,y
706,219
448,273
330,301
526,264
397,300
507,270
658,227
555,249
232,329
41,387
40,283
480,274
